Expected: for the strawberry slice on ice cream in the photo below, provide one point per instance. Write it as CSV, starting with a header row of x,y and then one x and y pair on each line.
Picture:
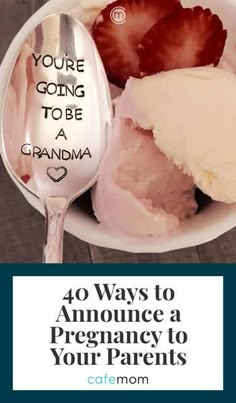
x,y
189,37
117,38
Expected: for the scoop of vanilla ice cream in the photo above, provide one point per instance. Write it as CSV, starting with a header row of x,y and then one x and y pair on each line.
x,y
192,113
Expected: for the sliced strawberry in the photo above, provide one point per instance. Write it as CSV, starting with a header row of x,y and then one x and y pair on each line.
x,y
190,37
119,29
25,178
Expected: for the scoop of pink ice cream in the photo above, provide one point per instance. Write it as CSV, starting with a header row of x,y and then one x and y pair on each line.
x,y
139,191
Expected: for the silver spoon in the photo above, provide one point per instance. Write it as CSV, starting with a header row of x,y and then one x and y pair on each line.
x,y
58,94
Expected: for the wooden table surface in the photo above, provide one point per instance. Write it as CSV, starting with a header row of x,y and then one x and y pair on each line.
x,y
22,228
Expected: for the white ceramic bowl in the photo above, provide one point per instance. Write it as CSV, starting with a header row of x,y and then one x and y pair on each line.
x,y
213,221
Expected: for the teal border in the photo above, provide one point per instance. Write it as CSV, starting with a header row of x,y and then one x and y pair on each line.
x,y
8,271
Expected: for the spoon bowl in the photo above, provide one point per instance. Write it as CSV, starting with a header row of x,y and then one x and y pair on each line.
x,y
63,121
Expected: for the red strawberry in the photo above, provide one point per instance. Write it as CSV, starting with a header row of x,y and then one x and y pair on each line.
x,y
119,29
190,37
25,178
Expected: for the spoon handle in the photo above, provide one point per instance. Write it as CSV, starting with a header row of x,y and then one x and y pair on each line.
x,y
55,208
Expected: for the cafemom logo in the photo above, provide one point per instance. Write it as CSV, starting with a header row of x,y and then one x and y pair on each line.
x,y
118,15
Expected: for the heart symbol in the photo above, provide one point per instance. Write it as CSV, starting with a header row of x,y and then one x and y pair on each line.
x,y
57,174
